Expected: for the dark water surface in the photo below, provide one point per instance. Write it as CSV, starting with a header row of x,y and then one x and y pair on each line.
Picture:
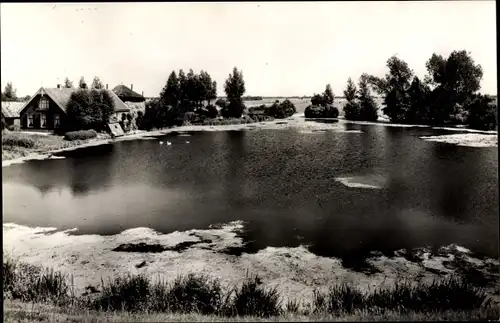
x,y
280,182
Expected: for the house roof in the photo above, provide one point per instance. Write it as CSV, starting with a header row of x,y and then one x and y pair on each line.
x,y
61,97
124,92
12,109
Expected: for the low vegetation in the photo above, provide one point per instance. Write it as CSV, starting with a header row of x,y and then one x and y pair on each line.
x,y
197,294
80,135
21,144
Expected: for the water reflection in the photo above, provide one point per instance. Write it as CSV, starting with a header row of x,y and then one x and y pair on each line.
x,y
281,183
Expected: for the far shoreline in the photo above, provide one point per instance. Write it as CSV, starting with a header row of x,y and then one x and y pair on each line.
x,y
138,134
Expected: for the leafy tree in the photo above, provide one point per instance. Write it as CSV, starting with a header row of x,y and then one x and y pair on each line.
x,y
97,84
394,87
454,80
9,93
482,112
235,88
82,84
328,96
89,109
418,111
367,105
157,115
67,83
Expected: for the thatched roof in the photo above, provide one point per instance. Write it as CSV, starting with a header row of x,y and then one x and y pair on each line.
x,y
61,97
11,109
127,94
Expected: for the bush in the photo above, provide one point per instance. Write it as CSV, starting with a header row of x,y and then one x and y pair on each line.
x,y
222,103
330,111
253,299
352,110
16,140
128,293
318,100
80,135
195,294
482,113
314,111
281,110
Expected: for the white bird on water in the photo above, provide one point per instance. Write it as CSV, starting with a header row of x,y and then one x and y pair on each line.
x,y
187,141
169,143
161,142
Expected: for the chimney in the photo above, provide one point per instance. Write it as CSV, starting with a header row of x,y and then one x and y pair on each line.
x,y
142,93
132,87
106,86
58,86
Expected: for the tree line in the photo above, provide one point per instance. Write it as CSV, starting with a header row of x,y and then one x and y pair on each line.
x,y
449,94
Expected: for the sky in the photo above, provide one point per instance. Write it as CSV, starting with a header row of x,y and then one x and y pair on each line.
x,y
283,48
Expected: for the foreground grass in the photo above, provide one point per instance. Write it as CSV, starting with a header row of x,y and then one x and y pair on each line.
x,y
35,293
26,312
22,144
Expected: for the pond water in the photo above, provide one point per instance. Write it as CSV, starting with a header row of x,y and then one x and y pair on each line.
x,y
342,194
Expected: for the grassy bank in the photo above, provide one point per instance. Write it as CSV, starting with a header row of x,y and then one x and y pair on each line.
x,y
22,144
35,293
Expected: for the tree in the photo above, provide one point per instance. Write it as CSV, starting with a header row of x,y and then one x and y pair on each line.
x,y
352,107
367,105
9,93
418,111
328,95
170,94
82,84
455,80
96,83
350,91
89,109
482,112
235,88
394,87
67,83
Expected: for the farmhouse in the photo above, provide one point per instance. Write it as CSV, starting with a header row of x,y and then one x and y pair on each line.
x,y
46,110
127,94
10,113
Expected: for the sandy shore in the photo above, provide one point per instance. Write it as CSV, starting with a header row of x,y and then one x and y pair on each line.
x,y
296,272
477,140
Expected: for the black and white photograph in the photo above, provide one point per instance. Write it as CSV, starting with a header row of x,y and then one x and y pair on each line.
x,y
250,161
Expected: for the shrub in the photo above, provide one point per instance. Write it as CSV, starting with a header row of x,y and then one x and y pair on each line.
x,y
30,283
482,113
80,135
281,110
128,293
314,111
352,110
330,111
16,140
195,294
253,299
211,111
222,103
318,100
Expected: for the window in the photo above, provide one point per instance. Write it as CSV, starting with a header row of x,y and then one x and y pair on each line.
x,y
30,121
43,104
43,120
57,121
